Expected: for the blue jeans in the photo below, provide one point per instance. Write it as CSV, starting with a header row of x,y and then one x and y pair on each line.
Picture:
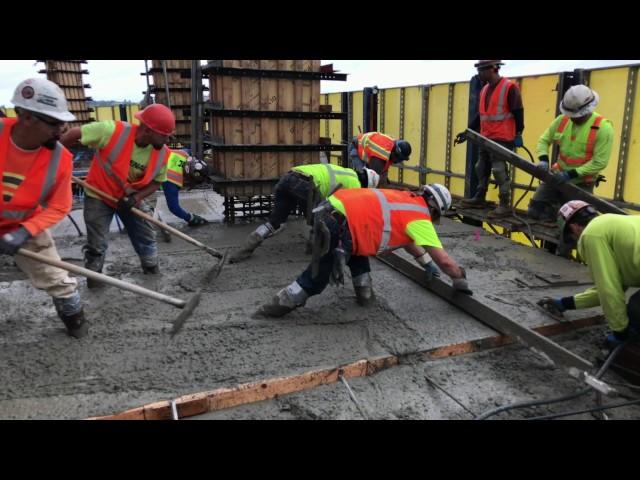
x,y
356,263
98,216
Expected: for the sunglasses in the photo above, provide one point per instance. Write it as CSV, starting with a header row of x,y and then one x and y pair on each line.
x,y
48,120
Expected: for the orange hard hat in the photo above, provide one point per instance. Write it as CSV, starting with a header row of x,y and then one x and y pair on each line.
x,y
158,118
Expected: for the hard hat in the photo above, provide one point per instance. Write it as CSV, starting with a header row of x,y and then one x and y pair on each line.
x,y
403,150
440,194
373,179
42,96
488,63
579,101
158,118
567,212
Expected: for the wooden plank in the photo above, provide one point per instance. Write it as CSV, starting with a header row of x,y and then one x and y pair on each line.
x,y
315,107
232,92
251,132
286,126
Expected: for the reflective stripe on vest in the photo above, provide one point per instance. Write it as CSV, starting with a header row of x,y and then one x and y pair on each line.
x,y
502,97
366,141
386,209
591,143
332,176
107,164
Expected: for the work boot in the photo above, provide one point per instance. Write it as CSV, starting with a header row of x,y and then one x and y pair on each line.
x,y
502,210
93,261
252,242
149,265
71,313
477,201
363,287
153,270
285,301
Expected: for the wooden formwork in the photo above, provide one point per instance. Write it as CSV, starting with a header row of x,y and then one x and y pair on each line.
x,y
67,74
257,93
179,91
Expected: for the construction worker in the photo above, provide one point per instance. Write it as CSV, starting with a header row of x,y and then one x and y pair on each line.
x,y
130,164
500,118
36,192
378,152
180,164
610,246
360,223
304,186
585,139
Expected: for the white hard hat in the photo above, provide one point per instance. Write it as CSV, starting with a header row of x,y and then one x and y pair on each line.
x,y
567,212
579,101
441,195
373,179
42,96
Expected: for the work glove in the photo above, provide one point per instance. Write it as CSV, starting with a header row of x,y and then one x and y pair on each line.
x,y
11,242
339,263
543,166
461,285
517,142
430,271
196,220
460,138
126,203
561,177
553,305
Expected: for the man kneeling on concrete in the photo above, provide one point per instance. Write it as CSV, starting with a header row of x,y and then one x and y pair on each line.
x,y
356,224
610,246
304,186
36,192
130,164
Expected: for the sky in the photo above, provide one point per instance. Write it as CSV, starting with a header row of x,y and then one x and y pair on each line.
x,y
121,80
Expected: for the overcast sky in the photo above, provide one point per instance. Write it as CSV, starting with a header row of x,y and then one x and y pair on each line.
x,y
121,79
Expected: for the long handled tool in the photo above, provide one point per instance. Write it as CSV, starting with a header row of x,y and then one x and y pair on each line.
x,y
187,306
150,219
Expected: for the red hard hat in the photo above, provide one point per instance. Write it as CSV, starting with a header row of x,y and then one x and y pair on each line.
x,y
158,118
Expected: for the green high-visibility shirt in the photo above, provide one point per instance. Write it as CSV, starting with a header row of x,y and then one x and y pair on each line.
x,y
610,246
98,134
573,143
326,176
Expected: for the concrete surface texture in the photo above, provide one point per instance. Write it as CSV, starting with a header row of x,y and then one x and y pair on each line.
x,y
129,359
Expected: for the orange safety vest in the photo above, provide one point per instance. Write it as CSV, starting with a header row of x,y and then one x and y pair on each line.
x,y
575,162
378,218
110,165
30,198
175,170
497,122
375,145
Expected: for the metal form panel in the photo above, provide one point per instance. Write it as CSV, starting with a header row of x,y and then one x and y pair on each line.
x,y
625,135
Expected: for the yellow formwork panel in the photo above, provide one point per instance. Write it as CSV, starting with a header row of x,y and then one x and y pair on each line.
x,y
631,192
393,174
358,99
412,124
459,123
11,112
437,131
539,96
611,85
335,126
392,112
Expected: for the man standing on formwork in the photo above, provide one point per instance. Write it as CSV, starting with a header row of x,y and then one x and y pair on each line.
x,y
36,192
130,164
585,139
304,186
181,164
610,246
501,119
378,152
361,223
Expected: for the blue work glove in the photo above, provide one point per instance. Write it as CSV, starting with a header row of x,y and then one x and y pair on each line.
x,y
553,305
543,166
11,242
430,271
517,142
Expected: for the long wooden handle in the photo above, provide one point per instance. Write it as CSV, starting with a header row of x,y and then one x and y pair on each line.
x,y
70,267
150,219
